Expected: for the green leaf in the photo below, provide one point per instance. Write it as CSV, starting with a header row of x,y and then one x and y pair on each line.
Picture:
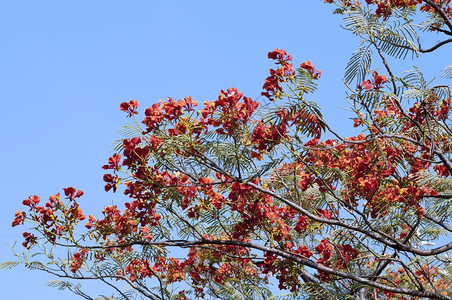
x,y
359,64
9,264
447,72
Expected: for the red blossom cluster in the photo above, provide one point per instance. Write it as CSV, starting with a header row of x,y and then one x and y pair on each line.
x,y
273,88
77,260
385,7
302,224
442,4
285,72
376,83
227,113
367,170
265,137
206,264
170,270
341,254
55,218
311,69
424,274
432,107
130,107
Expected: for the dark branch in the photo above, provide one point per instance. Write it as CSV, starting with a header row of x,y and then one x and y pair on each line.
x,y
290,256
436,46
441,12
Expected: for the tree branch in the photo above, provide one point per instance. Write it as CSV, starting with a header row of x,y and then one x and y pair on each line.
x,y
290,256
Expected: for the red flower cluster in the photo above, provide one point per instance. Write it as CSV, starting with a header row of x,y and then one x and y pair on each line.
x,y
280,55
55,218
376,83
30,240
112,182
325,249
285,72
154,116
311,69
346,254
130,107
19,218
302,224
265,137
385,7
77,260
228,112
113,162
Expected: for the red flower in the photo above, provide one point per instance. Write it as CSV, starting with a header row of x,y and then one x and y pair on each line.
x,y
129,108
77,260
19,218
305,181
112,182
154,116
325,249
349,253
441,170
154,142
325,213
30,240
379,80
303,250
91,222
302,223
31,201
285,72
113,162
376,84
311,69
280,55
72,193
367,85
173,109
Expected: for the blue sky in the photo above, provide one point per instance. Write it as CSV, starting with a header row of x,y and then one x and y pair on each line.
x,y
66,66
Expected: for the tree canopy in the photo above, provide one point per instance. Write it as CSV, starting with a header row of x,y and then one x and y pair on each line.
x,y
255,193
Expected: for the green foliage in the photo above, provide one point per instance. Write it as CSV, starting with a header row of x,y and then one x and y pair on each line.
x,y
359,64
395,37
9,264
447,72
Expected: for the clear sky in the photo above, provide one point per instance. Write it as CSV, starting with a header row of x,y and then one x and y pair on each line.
x,y
66,65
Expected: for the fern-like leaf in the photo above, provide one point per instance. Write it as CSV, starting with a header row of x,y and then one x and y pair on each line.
x,y
359,64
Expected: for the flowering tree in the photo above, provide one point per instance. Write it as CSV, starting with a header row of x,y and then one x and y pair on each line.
x,y
250,191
